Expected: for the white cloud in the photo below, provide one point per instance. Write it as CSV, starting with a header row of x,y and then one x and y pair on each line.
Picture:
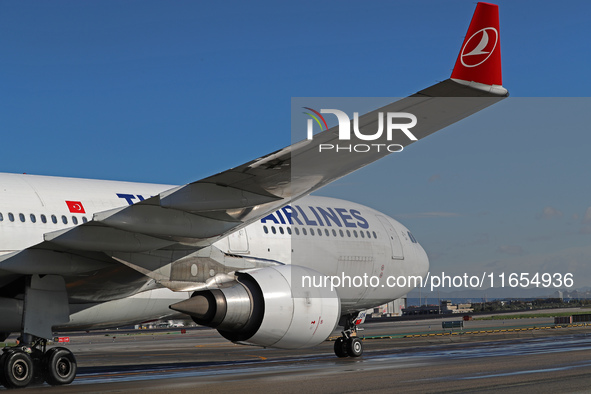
x,y
550,212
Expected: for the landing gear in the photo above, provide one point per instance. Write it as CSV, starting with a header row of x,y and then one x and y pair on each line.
x,y
60,366
354,347
349,345
340,347
45,305
17,369
23,365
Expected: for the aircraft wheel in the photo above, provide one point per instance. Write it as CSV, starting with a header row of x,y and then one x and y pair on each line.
x,y
61,366
3,381
354,347
17,369
340,347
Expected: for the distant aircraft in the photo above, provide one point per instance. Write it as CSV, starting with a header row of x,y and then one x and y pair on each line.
x,y
246,251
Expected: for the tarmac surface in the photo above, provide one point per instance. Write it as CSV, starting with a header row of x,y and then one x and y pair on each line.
x,y
409,356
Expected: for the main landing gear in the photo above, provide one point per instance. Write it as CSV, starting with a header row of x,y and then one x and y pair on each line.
x,y
26,364
45,305
349,344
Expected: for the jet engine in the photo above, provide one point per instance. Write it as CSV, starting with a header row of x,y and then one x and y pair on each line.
x,y
268,307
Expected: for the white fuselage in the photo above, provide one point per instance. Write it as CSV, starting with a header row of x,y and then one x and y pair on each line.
x,y
334,237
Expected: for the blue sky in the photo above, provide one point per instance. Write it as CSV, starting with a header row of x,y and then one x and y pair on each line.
x,y
171,92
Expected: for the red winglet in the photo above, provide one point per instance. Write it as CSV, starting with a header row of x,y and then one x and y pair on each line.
x,y
480,57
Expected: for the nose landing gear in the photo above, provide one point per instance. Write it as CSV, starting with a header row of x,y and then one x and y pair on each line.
x,y
349,344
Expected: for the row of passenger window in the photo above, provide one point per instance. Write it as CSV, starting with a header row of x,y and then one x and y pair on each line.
x,y
43,218
318,232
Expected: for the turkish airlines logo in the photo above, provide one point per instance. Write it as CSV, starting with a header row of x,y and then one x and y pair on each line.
x,y
75,207
479,47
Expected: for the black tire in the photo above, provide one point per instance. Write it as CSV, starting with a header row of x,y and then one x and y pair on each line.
x,y
3,380
340,347
60,365
17,369
354,347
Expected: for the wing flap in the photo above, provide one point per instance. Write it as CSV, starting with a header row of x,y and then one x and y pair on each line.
x,y
172,224
99,238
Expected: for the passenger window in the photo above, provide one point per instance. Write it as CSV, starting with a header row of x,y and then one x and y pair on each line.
x,y
74,220
289,230
348,234
21,217
10,216
355,233
273,230
311,231
297,231
33,218
326,232
319,232
334,233
265,229
43,219
368,234
1,217
304,231
362,234
375,235
281,230
53,219
84,220
341,233
64,219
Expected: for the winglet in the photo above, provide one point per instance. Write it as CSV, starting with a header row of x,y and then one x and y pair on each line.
x,y
479,61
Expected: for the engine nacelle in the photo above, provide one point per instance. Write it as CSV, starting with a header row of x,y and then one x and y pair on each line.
x,y
268,307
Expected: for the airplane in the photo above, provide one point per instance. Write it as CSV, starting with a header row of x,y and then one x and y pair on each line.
x,y
247,251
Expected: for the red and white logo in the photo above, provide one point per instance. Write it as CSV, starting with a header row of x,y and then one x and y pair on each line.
x,y
479,47
75,207
480,58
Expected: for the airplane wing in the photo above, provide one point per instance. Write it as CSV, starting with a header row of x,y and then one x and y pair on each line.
x,y
150,234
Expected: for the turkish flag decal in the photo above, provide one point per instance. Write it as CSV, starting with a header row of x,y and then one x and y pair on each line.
x,y
75,207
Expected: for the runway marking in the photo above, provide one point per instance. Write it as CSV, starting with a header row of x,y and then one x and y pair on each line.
x,y
261,357
513,373
491,331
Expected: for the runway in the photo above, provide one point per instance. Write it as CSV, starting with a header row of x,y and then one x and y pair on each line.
x,y
521,358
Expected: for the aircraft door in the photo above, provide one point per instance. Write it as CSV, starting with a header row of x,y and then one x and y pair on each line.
x,y
238,242
393,238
